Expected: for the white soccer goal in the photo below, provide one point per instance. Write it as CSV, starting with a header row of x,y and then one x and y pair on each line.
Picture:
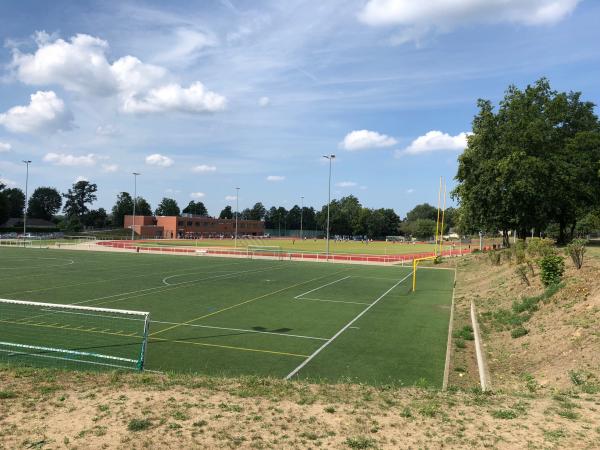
x,y
72,336
273,251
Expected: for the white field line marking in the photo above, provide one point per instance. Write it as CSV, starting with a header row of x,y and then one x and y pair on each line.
x,y
332,301
375,278
106,280
241,329
166,283
321,287
178,285
69,262
449,341
344,328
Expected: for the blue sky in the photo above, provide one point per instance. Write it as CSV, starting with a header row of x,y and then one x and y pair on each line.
x,y
201,97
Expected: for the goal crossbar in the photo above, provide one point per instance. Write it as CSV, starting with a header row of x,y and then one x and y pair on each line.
x,y
62,334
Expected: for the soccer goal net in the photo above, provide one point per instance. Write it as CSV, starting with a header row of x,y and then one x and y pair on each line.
x,y
274,251
72,336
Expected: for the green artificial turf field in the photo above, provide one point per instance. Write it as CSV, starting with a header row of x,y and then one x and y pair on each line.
x,y
235,316
307,245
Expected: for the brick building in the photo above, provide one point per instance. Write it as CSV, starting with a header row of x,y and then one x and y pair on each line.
x,y
190,226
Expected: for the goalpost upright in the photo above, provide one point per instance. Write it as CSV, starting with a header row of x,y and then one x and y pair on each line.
x,y
439,234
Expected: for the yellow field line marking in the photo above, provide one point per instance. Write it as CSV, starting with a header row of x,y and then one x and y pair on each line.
x,y
231,347
245,302
45,325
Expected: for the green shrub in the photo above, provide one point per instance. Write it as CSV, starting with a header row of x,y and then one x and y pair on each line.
x,y
460,343
495,257
538,247
139,424
576,250
552,268
521,272
518,332
504,414
465,333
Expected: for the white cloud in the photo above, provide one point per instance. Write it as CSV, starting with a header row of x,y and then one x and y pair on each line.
x,y
417,19
345,184
81,65
197,195
172,191
5,147
107,130
45,113
184,46
365,139
410,191
230,198
204,168
63,159
159,160
172,97
7,182
264,101
110,168
275,178
434,141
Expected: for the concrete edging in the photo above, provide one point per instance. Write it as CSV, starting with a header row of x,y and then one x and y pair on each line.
x,y
484,378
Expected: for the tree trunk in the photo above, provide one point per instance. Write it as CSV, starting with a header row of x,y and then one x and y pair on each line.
x,y
561,233
505,239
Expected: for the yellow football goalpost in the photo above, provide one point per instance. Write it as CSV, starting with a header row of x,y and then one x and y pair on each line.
x,y
439,234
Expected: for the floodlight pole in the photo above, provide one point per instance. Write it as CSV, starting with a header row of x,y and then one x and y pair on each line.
x,y
135,175
27,162
330,158
237,208
301,213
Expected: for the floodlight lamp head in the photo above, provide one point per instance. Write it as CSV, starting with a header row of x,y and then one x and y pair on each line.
x,y
26,161
136,173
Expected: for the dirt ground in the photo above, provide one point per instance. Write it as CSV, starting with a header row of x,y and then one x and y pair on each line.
x,y
50,409
545,393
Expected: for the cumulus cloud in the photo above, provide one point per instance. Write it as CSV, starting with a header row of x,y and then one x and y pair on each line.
x,y
110,168
172,97
275,178
417,19
157,159
365,139
63,159
230,198
204,168
5,147
197,195
264,101
81,65
345,184
46,112
434,141
410,190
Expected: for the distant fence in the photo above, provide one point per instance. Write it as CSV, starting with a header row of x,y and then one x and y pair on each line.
x,y
274,232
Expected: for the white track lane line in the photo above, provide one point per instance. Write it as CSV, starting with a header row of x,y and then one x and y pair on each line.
x,y
321,287
344,328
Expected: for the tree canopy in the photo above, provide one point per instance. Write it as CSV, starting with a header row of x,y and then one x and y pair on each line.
x,y
16,201
82,194
167,207
532,163
226,213
195,208
44,203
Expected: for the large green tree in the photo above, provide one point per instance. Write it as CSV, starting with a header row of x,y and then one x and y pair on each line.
x,y
257,212
122,207
226,213
4,216
16,201
195,208
142,207
82,194
167,207
44,203
525,166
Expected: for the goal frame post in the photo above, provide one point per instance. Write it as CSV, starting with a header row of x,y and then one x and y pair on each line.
x,y
139,363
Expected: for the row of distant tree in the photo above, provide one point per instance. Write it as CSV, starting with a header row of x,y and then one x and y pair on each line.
x,y
347,215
